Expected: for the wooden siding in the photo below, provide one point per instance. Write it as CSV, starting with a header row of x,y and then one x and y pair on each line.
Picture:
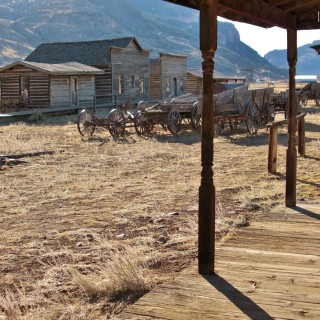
x,y
38,85
60,91
155,79
86,90
103,86
39,91
173,67
127,63
10,86
194,84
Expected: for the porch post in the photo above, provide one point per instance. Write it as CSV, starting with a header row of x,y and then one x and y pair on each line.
x,y
291,174
208,46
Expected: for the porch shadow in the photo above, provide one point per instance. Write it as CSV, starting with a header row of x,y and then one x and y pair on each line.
x,y
244,303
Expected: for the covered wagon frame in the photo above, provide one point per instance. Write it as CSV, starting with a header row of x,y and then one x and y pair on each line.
x,y
291,15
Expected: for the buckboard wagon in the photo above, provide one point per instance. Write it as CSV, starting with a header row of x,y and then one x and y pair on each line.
x,y
118,119
169,113
241,105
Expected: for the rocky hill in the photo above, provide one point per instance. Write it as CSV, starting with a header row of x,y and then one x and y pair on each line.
x,y
157,25
308,60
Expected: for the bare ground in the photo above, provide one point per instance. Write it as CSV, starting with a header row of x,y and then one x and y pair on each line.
x,y
93,226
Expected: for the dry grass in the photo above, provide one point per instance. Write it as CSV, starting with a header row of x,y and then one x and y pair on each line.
x,y
92,227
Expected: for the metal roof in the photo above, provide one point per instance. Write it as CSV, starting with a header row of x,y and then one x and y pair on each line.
x,y
93,53
69,68
287,14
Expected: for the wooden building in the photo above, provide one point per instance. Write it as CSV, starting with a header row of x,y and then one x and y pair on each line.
x,y
168,76
49,85
195,82
124,62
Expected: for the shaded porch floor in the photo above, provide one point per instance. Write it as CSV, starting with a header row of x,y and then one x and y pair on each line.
x,y
269,270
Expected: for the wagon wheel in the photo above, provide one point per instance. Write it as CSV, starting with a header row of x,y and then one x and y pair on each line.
x,y
116,123
196,115
271,113
252,120
142,124
233,123
142,105
219,126
174,121
85,123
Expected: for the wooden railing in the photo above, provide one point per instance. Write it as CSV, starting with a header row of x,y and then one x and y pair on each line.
x,y
273,140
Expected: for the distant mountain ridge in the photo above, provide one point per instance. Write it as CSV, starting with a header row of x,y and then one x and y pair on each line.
x,y
308,60
158,26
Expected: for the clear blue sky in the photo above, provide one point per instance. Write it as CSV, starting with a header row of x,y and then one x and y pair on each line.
x,y
264,40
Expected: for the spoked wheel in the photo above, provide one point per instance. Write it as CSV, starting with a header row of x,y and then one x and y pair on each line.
x,y
271,113
219,127
252,121
174,121
85,123
142,105
196,115
142,124
233,123
116,123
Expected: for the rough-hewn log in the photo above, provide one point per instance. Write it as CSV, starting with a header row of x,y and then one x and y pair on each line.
x,y
208,46
291,173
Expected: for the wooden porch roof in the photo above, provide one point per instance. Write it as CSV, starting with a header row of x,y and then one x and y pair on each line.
x,y
287,14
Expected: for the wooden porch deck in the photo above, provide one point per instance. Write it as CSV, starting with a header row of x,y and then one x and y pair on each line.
x,y
269,270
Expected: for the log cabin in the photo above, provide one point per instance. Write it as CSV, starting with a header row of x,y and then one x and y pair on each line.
x,y
49,85
124,62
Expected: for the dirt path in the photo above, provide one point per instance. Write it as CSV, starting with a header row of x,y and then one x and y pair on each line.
x,y
75,223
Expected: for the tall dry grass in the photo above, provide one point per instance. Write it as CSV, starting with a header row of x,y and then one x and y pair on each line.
x,y
98,223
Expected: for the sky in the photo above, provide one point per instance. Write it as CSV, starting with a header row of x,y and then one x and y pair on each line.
x,y
264,40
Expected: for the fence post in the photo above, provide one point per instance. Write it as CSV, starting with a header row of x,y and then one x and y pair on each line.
x,y
273,143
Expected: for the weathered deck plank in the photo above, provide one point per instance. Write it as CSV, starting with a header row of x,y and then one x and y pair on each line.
x,y
270,270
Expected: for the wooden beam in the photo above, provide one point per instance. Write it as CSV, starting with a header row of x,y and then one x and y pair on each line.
x,y
291,167
259,12
302,4
207,195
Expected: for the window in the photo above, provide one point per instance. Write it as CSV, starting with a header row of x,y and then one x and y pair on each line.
x,y
141,84
168,85
24,86
181,85
121,84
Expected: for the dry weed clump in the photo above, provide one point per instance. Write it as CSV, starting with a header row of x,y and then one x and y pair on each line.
x,y
89,228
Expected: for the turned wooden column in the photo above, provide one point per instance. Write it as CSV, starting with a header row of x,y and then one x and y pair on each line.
x,y
291,174
207,197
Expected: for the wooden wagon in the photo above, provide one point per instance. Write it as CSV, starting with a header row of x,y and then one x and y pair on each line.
x,y
279,103
169,113
235,106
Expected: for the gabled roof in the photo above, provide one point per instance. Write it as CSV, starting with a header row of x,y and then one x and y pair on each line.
x,y
69,68
93,53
